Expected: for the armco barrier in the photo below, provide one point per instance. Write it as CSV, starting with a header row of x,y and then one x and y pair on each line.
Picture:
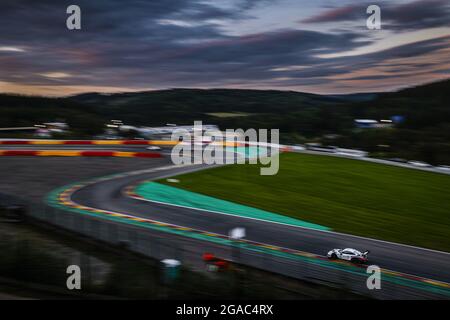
x,y
105,142
87,142
78,153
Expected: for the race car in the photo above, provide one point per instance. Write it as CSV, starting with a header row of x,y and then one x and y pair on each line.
x,y
349,254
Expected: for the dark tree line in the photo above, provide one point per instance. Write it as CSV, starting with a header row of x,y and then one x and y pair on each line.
x,y
301,117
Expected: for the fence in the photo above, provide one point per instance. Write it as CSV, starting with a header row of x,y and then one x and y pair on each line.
x,y
160,245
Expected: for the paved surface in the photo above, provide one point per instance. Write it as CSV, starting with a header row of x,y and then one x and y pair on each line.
x,y
108,195
32,178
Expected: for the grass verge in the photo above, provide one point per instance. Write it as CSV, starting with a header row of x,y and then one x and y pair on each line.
x,y
350,196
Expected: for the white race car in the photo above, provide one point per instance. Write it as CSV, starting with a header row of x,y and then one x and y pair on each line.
x,y
153,148
349,254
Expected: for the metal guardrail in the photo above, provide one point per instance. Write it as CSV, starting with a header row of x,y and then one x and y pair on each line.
x,y
160,245
369,159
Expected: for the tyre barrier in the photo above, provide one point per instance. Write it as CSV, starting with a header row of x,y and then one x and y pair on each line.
x,y
107,142
87,142
78,153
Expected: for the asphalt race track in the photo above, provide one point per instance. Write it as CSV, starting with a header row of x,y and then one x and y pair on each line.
x,y
108,195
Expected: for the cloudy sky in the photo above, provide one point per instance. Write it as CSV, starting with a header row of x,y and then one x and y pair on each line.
x,y
304,45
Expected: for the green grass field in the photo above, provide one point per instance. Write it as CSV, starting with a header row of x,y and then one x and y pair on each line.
x,y
350,196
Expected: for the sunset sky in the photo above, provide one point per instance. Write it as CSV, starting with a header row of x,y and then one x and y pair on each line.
x,y
313,46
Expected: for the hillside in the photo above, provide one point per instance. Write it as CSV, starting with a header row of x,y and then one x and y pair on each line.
x,y
425,133
18,111
183,106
